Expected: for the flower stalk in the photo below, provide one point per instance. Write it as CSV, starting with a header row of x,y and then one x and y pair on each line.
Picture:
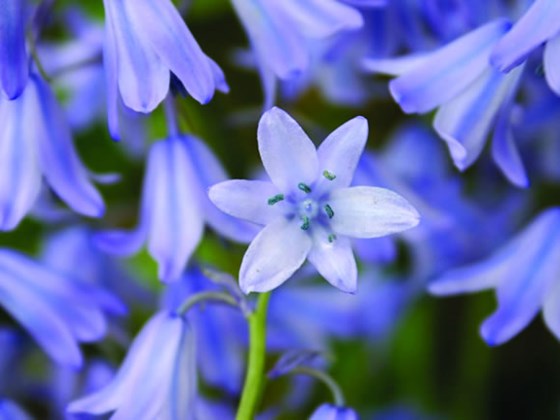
x,y
254,380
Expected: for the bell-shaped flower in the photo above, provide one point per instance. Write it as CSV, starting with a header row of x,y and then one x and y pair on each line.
x,y
157,378
279,32
175,207
56,310
308,209
540,24
333,412
524,273
473,98
35,140
140,51
14,65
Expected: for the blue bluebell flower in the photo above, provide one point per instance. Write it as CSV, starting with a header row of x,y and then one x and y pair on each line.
x,y
56,310
524,273
175,207
14,64
473,98
36,140
157,378
279,33
332,412
540,24
308,209
140,52
9,410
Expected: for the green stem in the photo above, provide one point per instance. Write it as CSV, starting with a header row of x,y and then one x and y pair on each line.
x,y
324,377
202,297
254,381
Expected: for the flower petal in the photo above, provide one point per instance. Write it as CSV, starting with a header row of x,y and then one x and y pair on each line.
x,y
448,71
465,121
20,175
539,23
273,256
318,18
288,155
551,310
276,43
111,67
120,242
370,212
551,62
247,200
334,261
340,152
59,161
174,218
142,77
209,171
171,40
14,67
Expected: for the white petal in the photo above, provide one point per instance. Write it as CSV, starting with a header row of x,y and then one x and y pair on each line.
x,y
370,212
288,155
273,256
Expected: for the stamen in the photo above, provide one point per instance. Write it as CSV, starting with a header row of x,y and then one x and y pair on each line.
x,y
329,175
277,198
332,238
329,211
305,224
304,187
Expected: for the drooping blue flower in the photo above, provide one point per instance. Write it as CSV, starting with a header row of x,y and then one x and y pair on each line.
x,y
157,378
540,24
14,65
473,99
56,310
524,273
279,33
308,209
175,206
140,52
333,412
35,140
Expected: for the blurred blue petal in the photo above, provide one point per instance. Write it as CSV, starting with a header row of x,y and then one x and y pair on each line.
x,y
14,66
447,71
551,62
332,412
154,379
540,23
11,411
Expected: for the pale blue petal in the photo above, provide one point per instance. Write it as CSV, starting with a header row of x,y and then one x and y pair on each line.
x,y
209,171
539,23
274,39
334,261
247,200
332,412
14,67
551,62
174,218
465,121
551,310
11,411
111,67
395,66
287,153
59,161
120,242
340,152
172,42
318,18
143,79
505,152
142,356
273,256
20,175
449,70
370,212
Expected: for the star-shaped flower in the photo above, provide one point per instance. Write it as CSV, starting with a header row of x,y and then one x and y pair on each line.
x,y
308,209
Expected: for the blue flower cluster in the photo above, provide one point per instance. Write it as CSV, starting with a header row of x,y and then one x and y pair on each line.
x,y
420,208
